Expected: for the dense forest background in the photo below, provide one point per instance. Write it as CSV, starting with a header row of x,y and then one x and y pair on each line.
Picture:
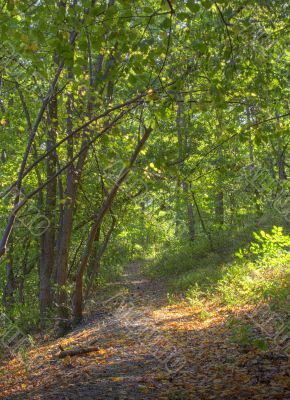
x,y
154,130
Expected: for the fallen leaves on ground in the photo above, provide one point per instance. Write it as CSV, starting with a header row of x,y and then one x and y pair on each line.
x,y
124,367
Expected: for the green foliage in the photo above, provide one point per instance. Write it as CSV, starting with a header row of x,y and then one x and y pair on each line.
x,y
244,334
26,315
209,80
177,258
260,272
267,245
204,315
24,359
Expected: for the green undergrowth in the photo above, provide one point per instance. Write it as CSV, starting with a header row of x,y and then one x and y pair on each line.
x,y
235,273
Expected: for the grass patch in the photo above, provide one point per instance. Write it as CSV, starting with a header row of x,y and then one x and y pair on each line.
x,y
256,272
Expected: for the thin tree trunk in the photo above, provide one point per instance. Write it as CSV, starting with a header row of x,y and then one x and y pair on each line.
x,y
202,222
25,271
78,295
73,179
97,261
66,225
280,156
47,240
177,209
12,217
182,147
8,292
252,163
190,214
219,198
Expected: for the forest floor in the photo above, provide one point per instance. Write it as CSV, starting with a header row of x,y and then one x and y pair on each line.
x,y
148,349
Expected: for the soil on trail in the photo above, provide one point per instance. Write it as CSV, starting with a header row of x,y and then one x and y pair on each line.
x,y
148,349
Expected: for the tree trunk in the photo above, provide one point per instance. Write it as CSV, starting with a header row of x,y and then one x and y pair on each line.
x,y
280,156
202,222
219,198
177,209
190,214
47,240
11,220
97,261
106,206
66,225
219,208
8,293
182,148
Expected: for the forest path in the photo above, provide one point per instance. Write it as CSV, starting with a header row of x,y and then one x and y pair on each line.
x,y
148,350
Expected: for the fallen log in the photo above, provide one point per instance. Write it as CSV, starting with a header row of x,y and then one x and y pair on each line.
x,y
77,351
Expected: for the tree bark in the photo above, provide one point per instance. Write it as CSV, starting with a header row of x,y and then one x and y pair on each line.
x,y
219,198
202,222
190,214
77,352
8,292
64,236
45,102
182,148
47,239
78,295
97,261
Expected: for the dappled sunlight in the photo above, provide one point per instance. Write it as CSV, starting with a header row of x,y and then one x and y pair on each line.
x,y
216,362
144,200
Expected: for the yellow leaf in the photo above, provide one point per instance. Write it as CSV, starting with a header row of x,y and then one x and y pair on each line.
x,y
117,378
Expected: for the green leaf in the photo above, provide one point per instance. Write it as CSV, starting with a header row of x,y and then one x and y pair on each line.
x,y
166,23
193,6
182,16
10,5
207,4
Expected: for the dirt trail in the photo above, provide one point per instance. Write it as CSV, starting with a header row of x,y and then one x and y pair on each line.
x,y
148,350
